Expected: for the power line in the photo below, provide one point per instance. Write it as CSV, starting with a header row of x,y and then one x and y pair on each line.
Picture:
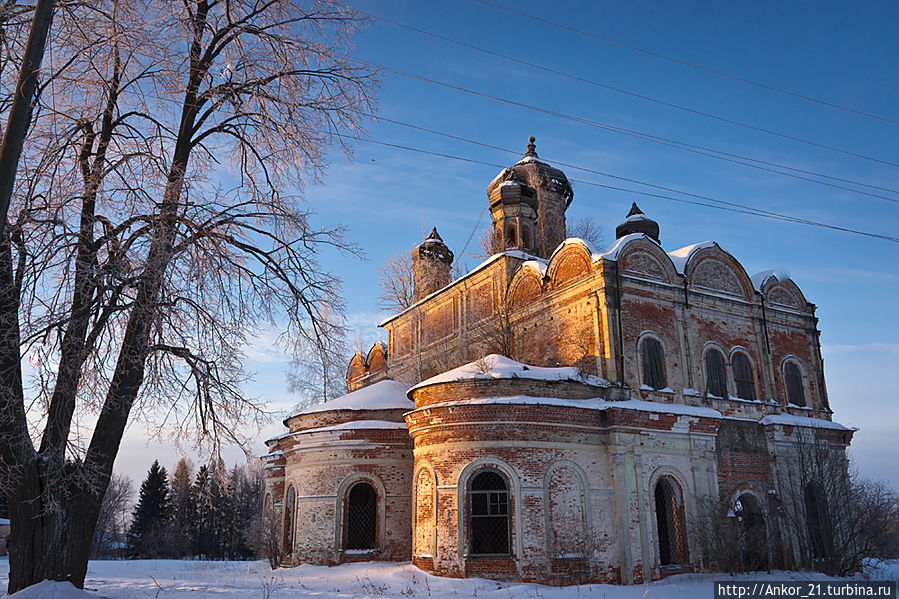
x,y
690,64
711,203
627,92
665,141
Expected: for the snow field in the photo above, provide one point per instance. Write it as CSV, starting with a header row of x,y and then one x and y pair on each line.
x,y
176,579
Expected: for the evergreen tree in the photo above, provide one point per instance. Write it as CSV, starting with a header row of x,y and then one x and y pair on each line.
x,y
149,528
201,528
183,509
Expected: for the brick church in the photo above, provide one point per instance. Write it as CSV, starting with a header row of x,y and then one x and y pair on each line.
x,y
566,414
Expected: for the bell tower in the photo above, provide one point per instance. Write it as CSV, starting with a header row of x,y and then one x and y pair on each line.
x,y
553,195
513,207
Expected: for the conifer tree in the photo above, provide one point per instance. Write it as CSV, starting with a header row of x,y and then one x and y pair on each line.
x,y
183,509
149,528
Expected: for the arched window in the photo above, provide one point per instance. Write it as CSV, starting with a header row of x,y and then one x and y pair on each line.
x,y
743,379
795,392
715,374
653,364
753,532
672,528
290,507
510,238
488,512
361,516
526,237
820,528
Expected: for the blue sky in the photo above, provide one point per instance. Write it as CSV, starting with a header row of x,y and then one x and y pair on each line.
x,y
844,53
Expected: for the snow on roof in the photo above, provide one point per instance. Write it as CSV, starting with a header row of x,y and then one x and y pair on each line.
x,y
383,395
496,366
594,255
682,256
538,264
790,420
759,279
4,521
355,425
638,405
611,252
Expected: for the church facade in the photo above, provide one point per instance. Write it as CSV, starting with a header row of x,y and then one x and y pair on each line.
x,y
562,414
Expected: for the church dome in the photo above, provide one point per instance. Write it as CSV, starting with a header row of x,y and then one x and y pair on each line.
x,y
433,247
535,172
637,222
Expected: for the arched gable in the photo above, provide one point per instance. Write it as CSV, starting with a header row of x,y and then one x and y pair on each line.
x,y
526,286
377,358
783,292
714,269
356,369
645,258
571,261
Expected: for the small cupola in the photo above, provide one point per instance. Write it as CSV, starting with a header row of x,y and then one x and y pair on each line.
x,y
431,261
513,208
637,222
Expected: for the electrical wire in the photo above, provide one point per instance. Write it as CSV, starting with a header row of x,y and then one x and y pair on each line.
x,y
625,91
709,202
692,65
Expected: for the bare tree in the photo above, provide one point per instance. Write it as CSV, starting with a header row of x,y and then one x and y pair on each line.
x,y
396,280
585,228
114,517
20,111
158,226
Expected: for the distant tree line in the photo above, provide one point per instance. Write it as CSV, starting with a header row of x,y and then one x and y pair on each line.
x,y
213,513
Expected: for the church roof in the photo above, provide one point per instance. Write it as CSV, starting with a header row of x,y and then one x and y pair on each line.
x,y
383,395
496,366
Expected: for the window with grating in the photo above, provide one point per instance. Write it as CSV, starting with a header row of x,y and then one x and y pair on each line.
x,y
716,375
795,392
743,377
488,511
653,364
361,517
672,529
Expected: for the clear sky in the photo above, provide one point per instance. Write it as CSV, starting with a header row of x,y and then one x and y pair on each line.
x,y
839,52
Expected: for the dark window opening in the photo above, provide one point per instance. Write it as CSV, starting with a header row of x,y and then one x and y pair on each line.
x,y
753,533
820,528
526,237
488,498
716,375
361,517
743,377
510,238
671,526
795,392
289,511
653,364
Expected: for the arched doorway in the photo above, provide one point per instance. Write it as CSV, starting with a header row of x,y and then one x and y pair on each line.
x,y
672,529
361,517
753,532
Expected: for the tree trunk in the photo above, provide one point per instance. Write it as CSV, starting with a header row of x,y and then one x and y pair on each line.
x,y
51,533
20,113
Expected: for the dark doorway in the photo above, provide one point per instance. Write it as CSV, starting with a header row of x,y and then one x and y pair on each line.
x,y
361,517
670,521
753,532
488,498
820,528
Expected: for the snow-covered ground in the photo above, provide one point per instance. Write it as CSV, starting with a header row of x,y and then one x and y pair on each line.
x,y
169,579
